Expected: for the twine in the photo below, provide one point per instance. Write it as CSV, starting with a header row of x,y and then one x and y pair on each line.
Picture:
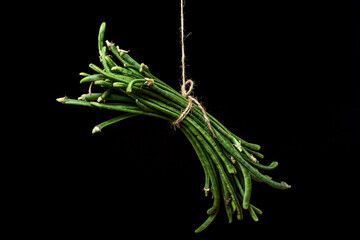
x,y
184,92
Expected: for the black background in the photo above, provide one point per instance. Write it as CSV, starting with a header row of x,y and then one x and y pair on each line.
x,y
283,75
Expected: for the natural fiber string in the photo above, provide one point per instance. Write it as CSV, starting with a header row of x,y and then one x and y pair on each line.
x,y
185,82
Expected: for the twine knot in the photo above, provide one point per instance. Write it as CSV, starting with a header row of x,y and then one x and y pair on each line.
x,y
192,99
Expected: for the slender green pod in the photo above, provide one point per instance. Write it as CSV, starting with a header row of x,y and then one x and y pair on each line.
x,y
124,71
207,222
215,183
110,63
227,200
100,126
104,95
271,166
145,81
70,101
89,97
248,186
103,61
124,55
101,36
255,153
103,83
252,146
92,78
119,85
83,74
114,51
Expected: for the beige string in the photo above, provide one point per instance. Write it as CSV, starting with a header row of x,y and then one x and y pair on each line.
x,y
190,82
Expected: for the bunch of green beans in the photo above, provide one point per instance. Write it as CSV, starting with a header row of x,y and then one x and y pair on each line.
x,y
229,162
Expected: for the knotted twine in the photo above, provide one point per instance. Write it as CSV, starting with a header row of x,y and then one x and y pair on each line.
x,y
184,92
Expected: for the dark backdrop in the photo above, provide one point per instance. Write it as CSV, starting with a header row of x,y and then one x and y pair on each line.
x,y
283,75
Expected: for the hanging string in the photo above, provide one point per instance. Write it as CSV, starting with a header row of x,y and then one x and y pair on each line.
x,y
184,92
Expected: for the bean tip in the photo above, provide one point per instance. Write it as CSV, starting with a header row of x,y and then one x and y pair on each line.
x,y
61,100
206,190
286,185
96,129
84,74
82,97
109,44
100,99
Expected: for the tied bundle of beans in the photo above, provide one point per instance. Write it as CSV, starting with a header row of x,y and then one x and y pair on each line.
x,y
230,163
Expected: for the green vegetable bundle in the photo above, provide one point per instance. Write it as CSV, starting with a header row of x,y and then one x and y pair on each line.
x,y
229,162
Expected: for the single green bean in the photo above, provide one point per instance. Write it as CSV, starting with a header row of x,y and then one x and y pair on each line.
x,y
70,101
215,183
227,200
124,71
248,187
101,36
103,83
130,85
271,166
100,126
238,184
255,153
104,95
110,63
207,222
89,97
84,74
92,78
113,49
124,55
103,61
